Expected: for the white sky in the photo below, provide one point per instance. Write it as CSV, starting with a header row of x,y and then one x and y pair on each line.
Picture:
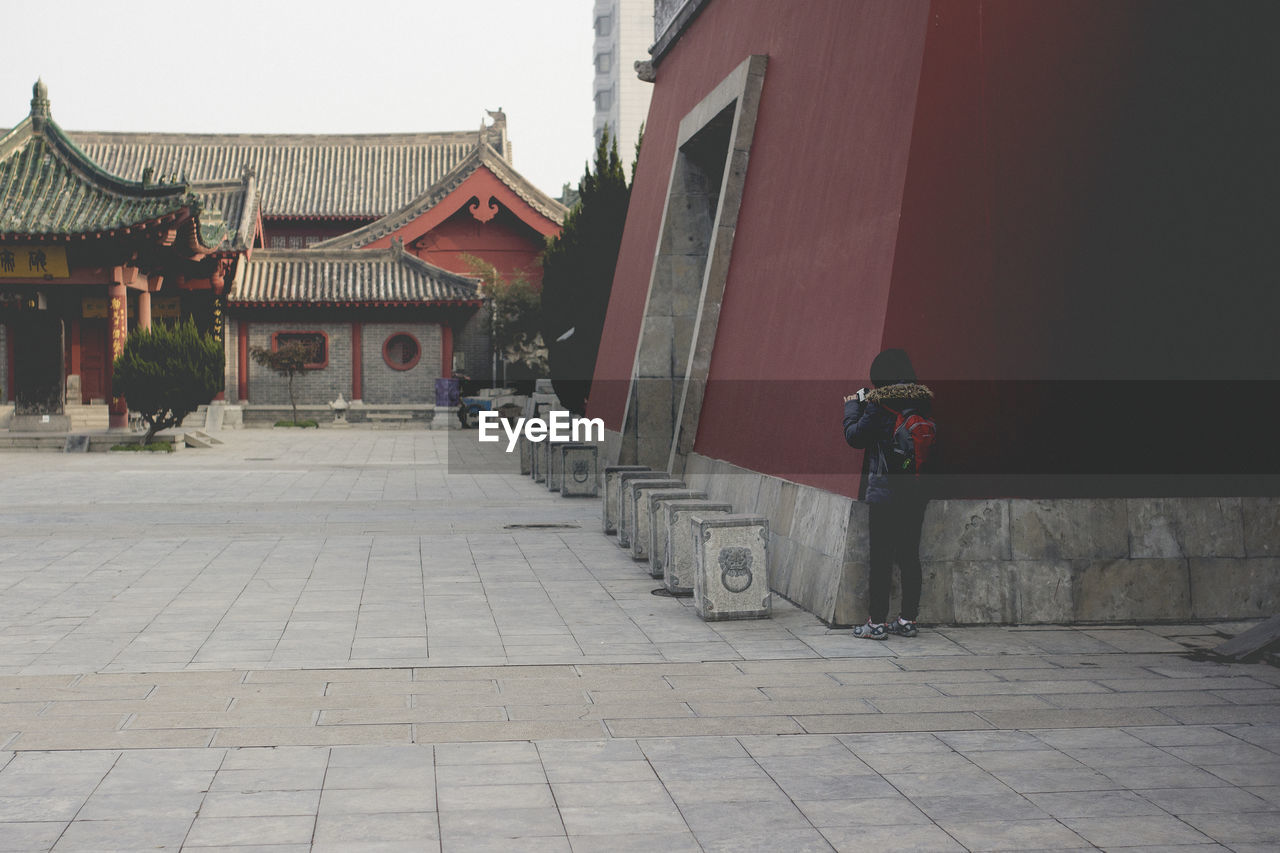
x,y
324,66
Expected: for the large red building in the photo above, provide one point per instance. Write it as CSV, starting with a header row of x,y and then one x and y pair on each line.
x,y
1062,211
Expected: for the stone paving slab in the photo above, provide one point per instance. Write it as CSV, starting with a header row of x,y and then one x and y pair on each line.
x,y
338,641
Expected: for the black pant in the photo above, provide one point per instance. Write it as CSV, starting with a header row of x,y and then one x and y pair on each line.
x,y
895,537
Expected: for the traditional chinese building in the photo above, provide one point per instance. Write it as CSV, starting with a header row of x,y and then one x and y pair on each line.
x,y
262,238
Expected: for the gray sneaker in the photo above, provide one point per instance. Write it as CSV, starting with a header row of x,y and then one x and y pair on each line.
x,y
870,631
902,628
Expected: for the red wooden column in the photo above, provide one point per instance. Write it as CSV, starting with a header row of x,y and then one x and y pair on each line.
x,y
10,394
242,360
357,360
446,351
119,319
75,357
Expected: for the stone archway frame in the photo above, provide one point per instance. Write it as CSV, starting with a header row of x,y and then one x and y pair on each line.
x,y
690,271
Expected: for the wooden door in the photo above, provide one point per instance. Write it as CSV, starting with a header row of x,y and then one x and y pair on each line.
x,y
93,360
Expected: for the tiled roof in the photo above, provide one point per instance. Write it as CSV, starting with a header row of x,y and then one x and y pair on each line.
x,y
300,175
49,188
482,155
238,201
388,277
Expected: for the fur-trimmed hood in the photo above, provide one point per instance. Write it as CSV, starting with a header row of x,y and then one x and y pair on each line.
x,y
895,396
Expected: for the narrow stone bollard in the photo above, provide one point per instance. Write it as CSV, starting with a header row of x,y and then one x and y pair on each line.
x,y
555,464
622,479
658,499
732,577
679,565
642,527
627,512
537,462
579,472
526,455
609,512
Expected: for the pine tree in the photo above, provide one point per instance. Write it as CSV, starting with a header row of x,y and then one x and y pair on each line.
x,y
167,372
577,275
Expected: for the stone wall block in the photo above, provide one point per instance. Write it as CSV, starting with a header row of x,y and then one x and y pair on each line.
x,y
1261,526
983,592
655,356
697,471
812,580
784,559
1186,527
732,578
777,502
1130,590
1233,588
965,530
848,596
820,520
1068,529
937,595
1045,591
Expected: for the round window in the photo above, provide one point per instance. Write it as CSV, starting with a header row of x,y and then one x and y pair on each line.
x,y
401,351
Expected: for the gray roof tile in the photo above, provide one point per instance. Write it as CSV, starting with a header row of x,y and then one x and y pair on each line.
x,y
354,277
300,175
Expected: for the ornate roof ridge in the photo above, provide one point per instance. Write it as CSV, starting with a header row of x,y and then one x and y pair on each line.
x,y
90,137
482,155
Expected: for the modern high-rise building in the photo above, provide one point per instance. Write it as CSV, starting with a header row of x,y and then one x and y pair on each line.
x,y
624,31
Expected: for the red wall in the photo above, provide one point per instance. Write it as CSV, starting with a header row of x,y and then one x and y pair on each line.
x,y
1035,199
805,300
504,241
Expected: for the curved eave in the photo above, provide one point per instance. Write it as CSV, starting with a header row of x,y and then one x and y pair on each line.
x,y
176,217
441,303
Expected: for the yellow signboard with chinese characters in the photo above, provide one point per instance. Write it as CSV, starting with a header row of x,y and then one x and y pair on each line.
x,y
91,307
165,307
33,262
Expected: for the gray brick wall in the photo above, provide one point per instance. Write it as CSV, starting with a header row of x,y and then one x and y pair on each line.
x,y
473,342
312,388
384,385
5,390
231,356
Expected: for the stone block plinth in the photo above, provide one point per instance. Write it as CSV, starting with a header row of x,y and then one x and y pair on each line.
x,y
646,543
526,455
580,472
537,462
620,501
555,464
678,562
732,576
609,513
632,491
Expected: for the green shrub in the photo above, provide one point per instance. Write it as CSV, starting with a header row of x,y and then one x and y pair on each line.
x,y
167,372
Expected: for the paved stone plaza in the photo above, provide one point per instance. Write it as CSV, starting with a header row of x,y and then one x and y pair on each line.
x,y
338,640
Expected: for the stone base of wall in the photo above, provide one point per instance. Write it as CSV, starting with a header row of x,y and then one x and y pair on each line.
x,y
1022,561
407,416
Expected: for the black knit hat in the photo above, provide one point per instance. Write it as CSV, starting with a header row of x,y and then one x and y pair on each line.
x,y
891,367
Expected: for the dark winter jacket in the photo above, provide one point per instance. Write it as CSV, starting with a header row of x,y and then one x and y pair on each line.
x,y
869,426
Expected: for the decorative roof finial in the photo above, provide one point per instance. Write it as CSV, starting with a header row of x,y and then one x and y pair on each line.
x,y
40,100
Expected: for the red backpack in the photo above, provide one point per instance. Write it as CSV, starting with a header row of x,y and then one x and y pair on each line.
x,y
912,445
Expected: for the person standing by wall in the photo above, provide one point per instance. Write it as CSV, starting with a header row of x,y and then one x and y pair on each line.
x,y
891,423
